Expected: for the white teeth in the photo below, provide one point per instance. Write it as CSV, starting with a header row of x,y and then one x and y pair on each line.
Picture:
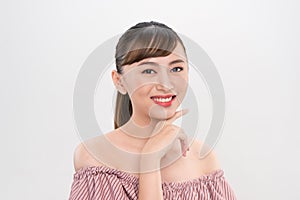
x,y
162,99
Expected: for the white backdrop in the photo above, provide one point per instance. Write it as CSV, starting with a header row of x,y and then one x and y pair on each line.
x,y
253,44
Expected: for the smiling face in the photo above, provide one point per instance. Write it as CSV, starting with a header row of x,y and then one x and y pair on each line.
x,y
156,85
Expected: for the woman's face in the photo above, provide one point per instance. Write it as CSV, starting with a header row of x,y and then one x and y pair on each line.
x,y
157,85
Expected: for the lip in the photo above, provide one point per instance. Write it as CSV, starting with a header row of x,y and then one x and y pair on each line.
x,y
164,104
163,96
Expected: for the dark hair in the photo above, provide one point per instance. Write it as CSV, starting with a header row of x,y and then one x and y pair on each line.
x,y
144,40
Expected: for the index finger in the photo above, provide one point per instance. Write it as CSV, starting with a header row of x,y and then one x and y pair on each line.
x,y
163,123
177,115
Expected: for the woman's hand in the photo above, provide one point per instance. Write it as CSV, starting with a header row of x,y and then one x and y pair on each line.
x,y
164,136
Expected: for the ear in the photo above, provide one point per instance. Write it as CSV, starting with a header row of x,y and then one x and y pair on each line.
x,y
117,79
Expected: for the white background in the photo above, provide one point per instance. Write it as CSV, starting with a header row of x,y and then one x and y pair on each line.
x,y
254,45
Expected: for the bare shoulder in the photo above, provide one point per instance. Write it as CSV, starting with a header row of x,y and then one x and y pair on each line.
x,y
84,151
82,158
210,162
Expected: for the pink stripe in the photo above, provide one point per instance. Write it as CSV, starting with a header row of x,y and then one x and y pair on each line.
x,y
101,182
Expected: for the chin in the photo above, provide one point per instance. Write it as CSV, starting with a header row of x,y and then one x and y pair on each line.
x,y
161,113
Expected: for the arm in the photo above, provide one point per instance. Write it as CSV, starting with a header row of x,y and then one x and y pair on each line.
x,y
157,146
150,186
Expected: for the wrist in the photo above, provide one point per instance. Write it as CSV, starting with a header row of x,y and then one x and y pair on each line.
x,y
149,162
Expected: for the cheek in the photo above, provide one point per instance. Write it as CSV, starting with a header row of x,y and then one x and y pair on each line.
x,y
138,85
140,95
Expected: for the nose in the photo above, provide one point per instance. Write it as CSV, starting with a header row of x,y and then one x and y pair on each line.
x,y
164,82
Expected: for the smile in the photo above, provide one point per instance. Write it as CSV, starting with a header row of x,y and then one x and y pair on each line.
x,y
163,100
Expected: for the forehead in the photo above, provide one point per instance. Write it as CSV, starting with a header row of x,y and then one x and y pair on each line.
x,y
178,53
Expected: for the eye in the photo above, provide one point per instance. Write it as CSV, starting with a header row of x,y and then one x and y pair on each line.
x,y
148,71
175,69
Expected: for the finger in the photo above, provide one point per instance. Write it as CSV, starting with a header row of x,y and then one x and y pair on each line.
x,y
163,123
177,115
158,127
183,148
183,141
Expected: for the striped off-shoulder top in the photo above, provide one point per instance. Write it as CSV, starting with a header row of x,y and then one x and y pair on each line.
x,y
102,182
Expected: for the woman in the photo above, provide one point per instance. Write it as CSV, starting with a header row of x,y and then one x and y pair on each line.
x,y
154,158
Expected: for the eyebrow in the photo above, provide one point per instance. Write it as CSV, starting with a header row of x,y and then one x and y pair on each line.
x,y
156,64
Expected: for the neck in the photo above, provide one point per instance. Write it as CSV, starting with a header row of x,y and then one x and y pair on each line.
x,y
140,127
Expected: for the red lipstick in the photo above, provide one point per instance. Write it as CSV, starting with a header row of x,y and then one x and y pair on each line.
x,y
164,100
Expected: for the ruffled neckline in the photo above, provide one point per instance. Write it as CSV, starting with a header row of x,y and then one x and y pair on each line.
x,y
94,170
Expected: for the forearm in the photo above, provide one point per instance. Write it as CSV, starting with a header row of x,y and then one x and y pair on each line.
x,y
150,186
